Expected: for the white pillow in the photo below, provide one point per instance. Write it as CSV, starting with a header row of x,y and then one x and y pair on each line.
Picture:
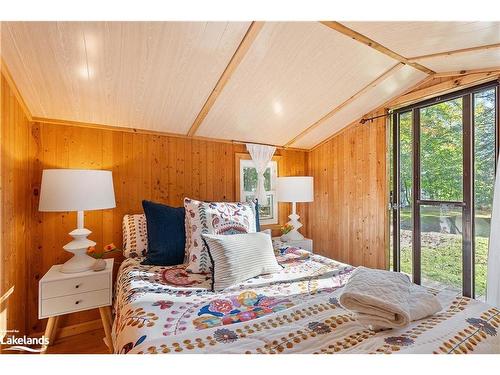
x,y
239,257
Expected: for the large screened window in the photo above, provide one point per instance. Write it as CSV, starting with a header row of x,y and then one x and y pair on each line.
x,y
442,176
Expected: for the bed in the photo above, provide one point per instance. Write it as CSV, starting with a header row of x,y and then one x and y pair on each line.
x,y
166,310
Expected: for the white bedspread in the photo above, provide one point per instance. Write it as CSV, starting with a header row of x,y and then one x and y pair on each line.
x,y
164,310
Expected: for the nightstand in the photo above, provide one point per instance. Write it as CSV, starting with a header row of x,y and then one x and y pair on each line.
x,y
65,293
306,243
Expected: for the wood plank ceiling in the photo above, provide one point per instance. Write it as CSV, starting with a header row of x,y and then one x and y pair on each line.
x,y
283,83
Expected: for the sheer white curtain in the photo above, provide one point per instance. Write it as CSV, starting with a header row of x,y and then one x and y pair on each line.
x,y
261,156
493,283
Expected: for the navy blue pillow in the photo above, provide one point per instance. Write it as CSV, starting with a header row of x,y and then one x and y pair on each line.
x,y
166,234
257,220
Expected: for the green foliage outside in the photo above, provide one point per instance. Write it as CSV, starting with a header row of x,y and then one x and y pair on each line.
x,y
250,179
250,185
444,265
441,150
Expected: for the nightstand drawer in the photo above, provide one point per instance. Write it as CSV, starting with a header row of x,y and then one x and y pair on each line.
x,y
76,302
51,289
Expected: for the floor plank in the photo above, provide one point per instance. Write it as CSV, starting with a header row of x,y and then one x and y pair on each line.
x,y
85,343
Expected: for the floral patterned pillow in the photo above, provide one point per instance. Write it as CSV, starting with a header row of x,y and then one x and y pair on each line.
x,y
213,218
135,236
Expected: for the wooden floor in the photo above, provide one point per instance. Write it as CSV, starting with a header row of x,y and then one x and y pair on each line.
x,y
85,343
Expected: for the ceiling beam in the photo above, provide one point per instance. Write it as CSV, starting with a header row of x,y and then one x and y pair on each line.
x,y
465,72
442,88
238,56
373,44
326,117
89,125
455,52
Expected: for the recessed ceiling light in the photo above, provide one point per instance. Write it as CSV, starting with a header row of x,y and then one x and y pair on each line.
x,y
277,107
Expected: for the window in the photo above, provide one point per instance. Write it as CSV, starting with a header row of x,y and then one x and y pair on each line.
x,y
268,211
443,174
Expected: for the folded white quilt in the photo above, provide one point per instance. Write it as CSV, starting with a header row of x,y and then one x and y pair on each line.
x,y
383,299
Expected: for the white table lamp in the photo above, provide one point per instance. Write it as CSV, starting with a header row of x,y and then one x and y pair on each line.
x,y
295,189
77,190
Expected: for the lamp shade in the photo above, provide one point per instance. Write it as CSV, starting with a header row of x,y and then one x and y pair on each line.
x,y
295,189
76,190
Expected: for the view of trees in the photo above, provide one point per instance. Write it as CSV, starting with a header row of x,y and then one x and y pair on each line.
x,y
484,149
442,151
441,174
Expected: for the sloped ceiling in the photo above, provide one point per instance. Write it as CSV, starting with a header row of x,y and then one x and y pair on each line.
x,y
283,83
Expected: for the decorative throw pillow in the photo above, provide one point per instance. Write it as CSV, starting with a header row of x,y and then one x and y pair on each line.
x,y
135,236
166,234
213,218
239,257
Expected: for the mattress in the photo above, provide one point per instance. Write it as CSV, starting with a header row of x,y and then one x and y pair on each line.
x,y
166,310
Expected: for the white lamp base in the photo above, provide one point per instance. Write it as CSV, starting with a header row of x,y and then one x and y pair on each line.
x,y
80,262
294,234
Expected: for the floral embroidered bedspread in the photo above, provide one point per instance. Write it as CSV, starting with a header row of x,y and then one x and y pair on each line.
x,y
166,310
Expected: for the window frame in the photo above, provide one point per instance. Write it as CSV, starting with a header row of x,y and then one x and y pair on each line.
x,y
467,203
243,160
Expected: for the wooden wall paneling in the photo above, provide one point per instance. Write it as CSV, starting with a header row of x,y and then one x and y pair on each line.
x,y
34,260
347,219
195,168
108,231
382,192
119,183
202,188
14,209
145,166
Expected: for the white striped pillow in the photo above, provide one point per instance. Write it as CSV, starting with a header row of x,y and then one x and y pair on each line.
x,y
239,257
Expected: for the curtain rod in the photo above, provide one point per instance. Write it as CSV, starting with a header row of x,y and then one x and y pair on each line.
x,y
365,120
257,143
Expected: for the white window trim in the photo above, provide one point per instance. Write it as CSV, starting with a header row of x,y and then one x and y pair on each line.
x,y
273,164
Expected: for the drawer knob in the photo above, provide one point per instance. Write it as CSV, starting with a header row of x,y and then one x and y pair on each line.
x,y
77,286
77,302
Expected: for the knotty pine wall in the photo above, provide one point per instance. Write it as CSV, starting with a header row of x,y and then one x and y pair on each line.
x,y
14,211
348,218
154,167
346,221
